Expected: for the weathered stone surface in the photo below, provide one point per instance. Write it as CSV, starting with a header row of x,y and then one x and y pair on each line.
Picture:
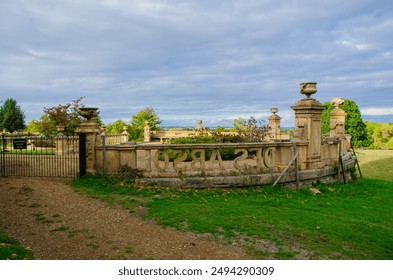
x,y
245,164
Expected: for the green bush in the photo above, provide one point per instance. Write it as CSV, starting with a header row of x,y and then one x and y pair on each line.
x,y
390,144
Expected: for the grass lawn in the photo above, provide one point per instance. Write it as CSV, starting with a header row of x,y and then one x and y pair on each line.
x,y
377,164
30,152
351,221
10,249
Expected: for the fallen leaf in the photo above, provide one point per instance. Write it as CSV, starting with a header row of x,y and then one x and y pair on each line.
x,y
315,191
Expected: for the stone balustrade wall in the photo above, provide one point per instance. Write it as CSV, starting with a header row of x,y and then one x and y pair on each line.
x,y
232,164
180,164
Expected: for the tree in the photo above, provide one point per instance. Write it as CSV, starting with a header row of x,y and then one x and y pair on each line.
x,y
253,131
63,114
138,123
44,126
239,124
12,118
380,133
354,124
389,144
116,128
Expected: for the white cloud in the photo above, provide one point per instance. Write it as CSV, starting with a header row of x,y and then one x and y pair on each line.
x,y
212,60
374,111
357,46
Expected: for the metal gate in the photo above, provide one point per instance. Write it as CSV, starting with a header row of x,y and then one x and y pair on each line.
x,y
41,156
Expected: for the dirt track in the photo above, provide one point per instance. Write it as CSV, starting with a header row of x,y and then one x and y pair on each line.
x,y
56,222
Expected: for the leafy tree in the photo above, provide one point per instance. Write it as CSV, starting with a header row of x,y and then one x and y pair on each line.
x,y
63,114
43,125
138,123
12,118
389,144
380,133
239,124
253,131
354,124
220,129
116,128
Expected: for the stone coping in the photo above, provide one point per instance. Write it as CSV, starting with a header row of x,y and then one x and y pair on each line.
x,y
156,146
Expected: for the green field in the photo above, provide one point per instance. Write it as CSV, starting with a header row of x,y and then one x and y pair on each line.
x,y
351,221
28,152
377,164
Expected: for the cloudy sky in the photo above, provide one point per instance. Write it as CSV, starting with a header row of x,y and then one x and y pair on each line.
x,y
215,60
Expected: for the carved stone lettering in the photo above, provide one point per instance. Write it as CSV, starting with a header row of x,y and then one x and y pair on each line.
x,y
258,157
198,160
240,158
269,158
216,158
157,162
179,160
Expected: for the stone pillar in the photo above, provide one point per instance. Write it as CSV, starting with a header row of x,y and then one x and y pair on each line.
x,y
308,124
337,119
146,133
275,124
93,139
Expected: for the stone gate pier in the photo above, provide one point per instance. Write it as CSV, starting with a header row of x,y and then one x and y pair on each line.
x,y
308,157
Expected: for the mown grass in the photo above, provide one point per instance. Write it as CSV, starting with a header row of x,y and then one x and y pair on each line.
x,y
10,249
352,221
30,152
377,164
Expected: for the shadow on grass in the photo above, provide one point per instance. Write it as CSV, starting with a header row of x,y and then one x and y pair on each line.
x,y
378,169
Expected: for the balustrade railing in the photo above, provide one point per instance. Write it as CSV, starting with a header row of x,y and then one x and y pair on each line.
x,y
168,160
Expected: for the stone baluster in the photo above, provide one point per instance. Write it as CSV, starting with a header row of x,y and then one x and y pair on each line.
x,y
275,125
125,134
146,132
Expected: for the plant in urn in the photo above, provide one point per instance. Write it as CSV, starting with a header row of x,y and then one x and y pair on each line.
x,y
308,88
88,113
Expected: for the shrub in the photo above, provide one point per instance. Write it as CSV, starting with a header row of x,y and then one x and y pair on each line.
x,y
390,144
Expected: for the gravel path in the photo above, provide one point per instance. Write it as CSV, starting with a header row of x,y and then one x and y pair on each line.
x,y
56,222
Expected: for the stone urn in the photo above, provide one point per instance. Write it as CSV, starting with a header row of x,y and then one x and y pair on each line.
x,y
273,110
199,126
308,88
337,101
88,112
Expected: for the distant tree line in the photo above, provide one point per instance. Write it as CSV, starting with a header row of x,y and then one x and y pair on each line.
x,y
12,118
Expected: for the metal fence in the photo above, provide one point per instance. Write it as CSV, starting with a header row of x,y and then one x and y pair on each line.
x,y
39,156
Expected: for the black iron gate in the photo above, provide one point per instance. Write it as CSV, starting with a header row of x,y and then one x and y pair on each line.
x,y
41,156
